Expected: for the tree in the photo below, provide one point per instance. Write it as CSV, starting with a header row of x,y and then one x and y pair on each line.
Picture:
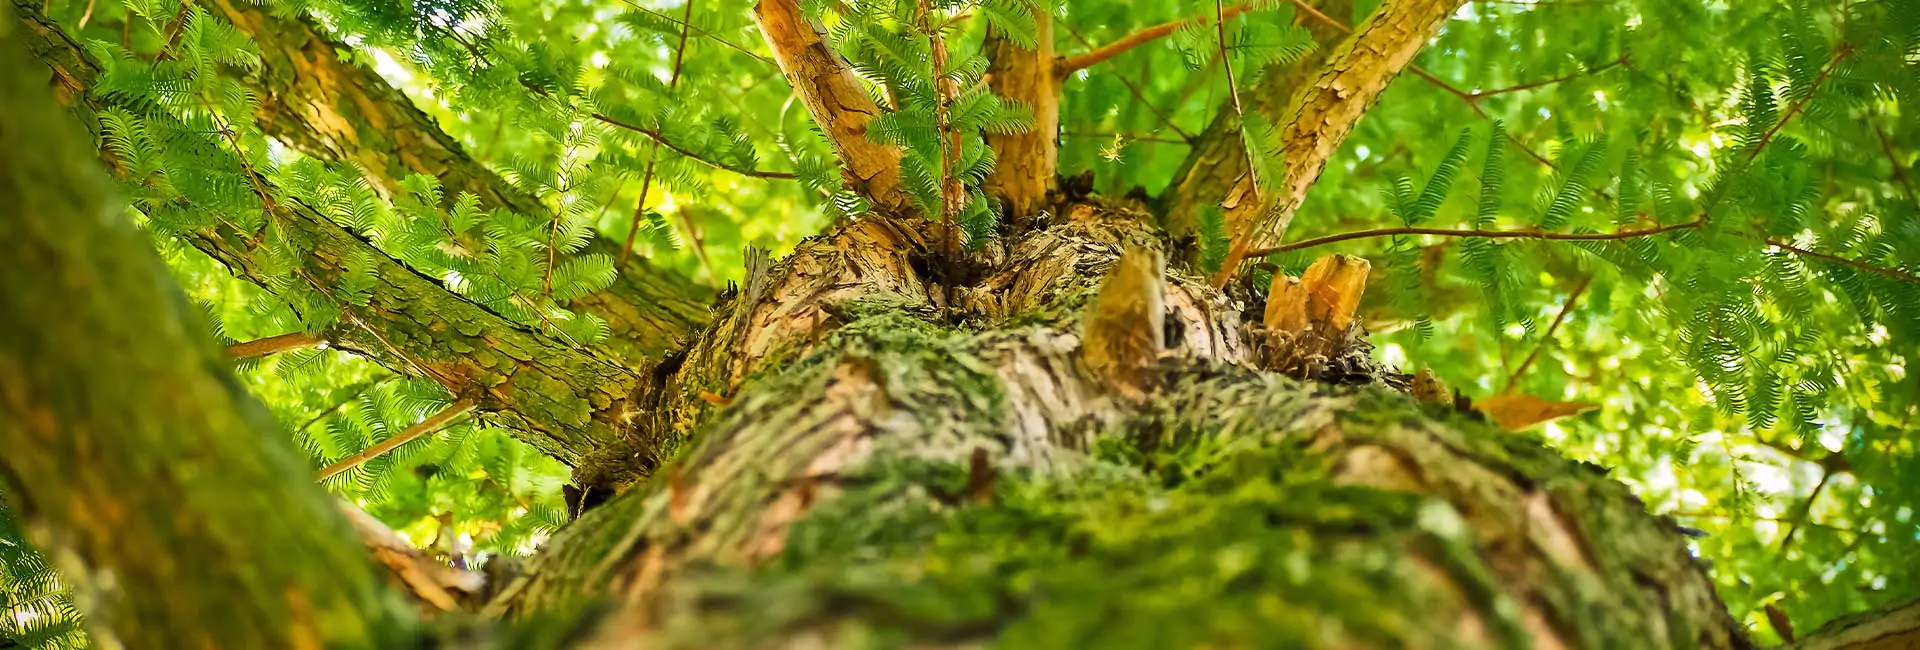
x,y
981,400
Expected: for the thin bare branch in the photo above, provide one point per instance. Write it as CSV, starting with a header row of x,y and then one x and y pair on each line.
x,y
1489,234
670,144
1546,338
1897,274
424,427
688,26
1138,95
273,345
1070,65
834,96
653,152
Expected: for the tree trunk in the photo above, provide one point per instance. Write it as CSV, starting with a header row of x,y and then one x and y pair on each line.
x,y
130,449
1074,452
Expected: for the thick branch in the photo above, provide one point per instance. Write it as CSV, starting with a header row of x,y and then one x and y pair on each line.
x,y
319,103
840,106
129,447
1028,161
563,401
1320,116
1069,65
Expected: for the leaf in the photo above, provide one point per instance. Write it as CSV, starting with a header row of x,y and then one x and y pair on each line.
x,y
1520,412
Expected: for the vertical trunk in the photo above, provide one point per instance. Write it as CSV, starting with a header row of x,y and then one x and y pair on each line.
x,y
129,447
1028,161
889,478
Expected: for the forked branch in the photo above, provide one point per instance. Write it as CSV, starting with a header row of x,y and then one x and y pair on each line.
x,y
1319,117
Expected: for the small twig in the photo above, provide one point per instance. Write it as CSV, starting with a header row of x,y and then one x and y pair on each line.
x,y
1546,337
1142,37
1138,95
1896,274
1899,170
1252,150
1805,510
653,152
429,425
357,392
273,345
1801,104
657,137
1489,234
1130,137
1478,95
687,26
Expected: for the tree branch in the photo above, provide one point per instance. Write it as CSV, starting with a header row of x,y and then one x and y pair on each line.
x,y
1886,628
1069,65
1319,117
273,345
653,152
1896,274
431,424
1546,337
1029,161
1489,234
1138,96
840,106
670,144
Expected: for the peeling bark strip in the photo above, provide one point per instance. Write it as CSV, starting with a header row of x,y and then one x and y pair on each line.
x,y
1028,161
825,83
1319,117
1126,328
129,446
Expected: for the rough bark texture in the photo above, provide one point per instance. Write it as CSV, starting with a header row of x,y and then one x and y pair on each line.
x,y
331,109
1029,160
841,107
564,401
1321,114
889,478
1217,162
1895,627
133,452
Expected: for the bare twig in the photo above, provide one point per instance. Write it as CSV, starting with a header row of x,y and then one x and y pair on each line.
x,y
1899,170
1233,93
1139,96
1801,104
1142,37
1489,234
1805,511
424,427
657,137
1896,274
653,152
687,26
1546,338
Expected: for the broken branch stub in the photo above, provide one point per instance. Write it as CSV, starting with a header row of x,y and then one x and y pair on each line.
x,y
1125,330
1308,317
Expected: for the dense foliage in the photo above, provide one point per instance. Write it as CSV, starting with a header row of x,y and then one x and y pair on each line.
x,y
1696,214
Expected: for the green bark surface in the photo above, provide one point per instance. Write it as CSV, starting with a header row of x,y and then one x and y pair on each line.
x,y
562,400
130,449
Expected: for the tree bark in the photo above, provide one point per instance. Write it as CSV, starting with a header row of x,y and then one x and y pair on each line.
x,y
334,110
1217,161
1894,627
1028,161
826,85
569,403
131,449
1321,114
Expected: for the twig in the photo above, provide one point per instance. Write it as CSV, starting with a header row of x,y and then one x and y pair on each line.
x,y
1233,93
1489,234
357,392
1899,171
1896,274
687,26
1801,104
1547,336
1805,510
1142,37
1128,136
432,423
657,137
1139,96
653,152
273,345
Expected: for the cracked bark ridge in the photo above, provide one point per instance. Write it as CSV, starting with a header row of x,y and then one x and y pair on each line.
x,y
841,107
1028,161
1320,115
